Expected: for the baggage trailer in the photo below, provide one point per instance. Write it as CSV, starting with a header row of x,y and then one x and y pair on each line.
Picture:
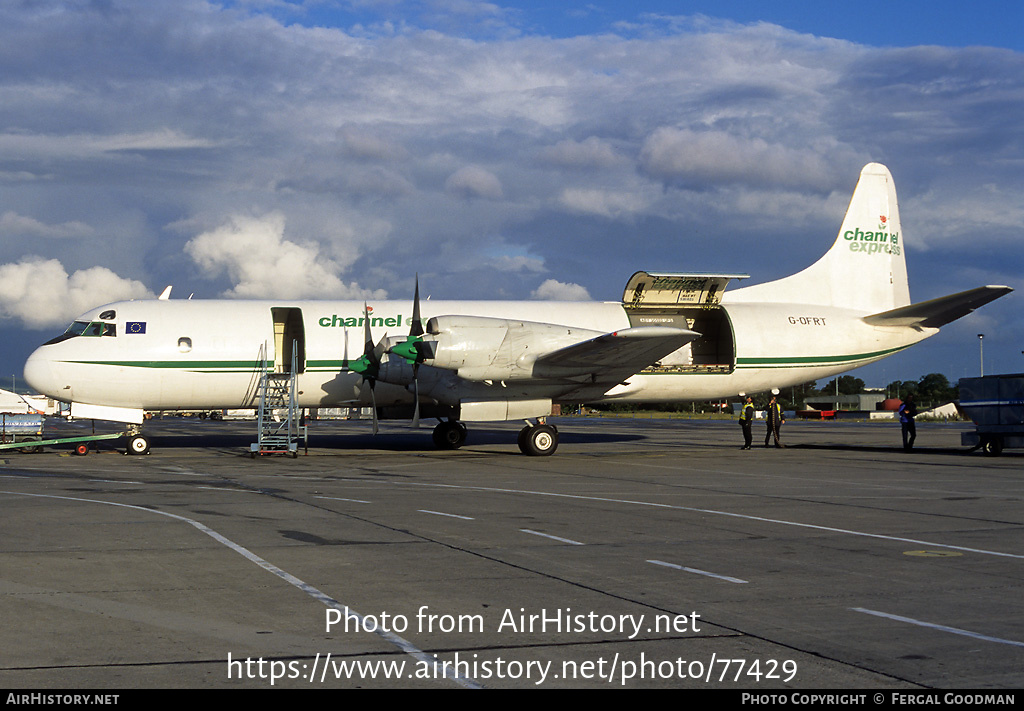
x,y
995,403
21,428
25,433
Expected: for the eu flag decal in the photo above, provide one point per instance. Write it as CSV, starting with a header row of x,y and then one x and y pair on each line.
x,y
135,327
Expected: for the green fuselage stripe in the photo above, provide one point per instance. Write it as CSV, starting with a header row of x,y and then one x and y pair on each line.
x,y
209,366
803,361
213,366
336,365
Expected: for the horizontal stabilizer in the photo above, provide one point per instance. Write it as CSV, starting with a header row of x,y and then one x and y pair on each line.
x,y
629,350
938,312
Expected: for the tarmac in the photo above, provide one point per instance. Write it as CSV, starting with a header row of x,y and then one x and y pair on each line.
x,y
645,553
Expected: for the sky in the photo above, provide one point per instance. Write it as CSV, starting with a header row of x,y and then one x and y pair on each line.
x,y
512,150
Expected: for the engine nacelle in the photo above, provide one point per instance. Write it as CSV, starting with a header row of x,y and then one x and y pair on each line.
x,y
481,348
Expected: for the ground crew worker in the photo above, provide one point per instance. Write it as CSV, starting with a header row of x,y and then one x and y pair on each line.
x,y
907,413
747,422
774,419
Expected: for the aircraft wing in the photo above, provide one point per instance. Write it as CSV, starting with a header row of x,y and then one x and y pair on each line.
x,y
614,356
938,312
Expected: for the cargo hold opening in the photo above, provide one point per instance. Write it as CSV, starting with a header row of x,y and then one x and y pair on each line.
x,y
691,301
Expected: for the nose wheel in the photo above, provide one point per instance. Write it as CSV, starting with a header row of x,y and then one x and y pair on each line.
x,y
540,440
138,444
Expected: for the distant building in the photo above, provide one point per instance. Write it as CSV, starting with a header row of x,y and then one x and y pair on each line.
x,y
860,403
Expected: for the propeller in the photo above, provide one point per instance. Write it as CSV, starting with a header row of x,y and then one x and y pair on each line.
x,y
414,350
368,364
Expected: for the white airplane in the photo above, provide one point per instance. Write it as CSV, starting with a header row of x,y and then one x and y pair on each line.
x,y
673,337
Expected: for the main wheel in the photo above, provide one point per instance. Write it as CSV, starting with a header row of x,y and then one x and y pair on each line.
x,y
538,441
449,435
138,445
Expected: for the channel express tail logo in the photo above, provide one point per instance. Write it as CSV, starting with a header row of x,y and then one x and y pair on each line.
x,y
878,241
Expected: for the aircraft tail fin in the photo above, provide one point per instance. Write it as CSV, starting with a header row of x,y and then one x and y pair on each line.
x,y
865,269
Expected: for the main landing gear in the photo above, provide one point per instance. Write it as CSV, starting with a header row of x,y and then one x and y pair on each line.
x,y
535,440
538,440
449,434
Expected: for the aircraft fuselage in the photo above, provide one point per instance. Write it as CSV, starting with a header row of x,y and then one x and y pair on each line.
x,y
195,354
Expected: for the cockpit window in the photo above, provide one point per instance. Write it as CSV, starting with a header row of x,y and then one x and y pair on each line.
x,y
86,328
108,315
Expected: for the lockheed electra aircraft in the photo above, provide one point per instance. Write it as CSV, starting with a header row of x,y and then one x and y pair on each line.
x,y
673,337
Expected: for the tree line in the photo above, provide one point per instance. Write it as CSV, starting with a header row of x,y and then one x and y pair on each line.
x,y
929,390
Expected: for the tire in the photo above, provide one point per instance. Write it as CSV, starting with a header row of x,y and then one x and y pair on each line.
x,y
449,435
993,447
32,448
538,441
82,449
138,445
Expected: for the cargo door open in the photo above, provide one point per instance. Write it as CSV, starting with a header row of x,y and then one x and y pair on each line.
x,y
690,301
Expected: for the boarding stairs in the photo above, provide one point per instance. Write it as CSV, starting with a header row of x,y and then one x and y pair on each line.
x,y
278,417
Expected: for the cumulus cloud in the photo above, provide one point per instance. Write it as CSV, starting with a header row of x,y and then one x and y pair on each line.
x,y
14,225
39,293
717,157
395,146
473,181
365,144
591,152
602,203
554,290
262,264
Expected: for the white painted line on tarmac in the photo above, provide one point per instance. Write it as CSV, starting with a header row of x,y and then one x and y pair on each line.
x,y
698,571
762,519
441,513
337,498
554,538
942,628
403,644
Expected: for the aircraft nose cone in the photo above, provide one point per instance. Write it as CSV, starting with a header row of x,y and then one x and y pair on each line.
x,y
39,374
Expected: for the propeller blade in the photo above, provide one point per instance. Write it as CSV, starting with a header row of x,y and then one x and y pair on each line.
x,y
416,394
367,333
415,338
373,404
412,347
368,364
417,321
